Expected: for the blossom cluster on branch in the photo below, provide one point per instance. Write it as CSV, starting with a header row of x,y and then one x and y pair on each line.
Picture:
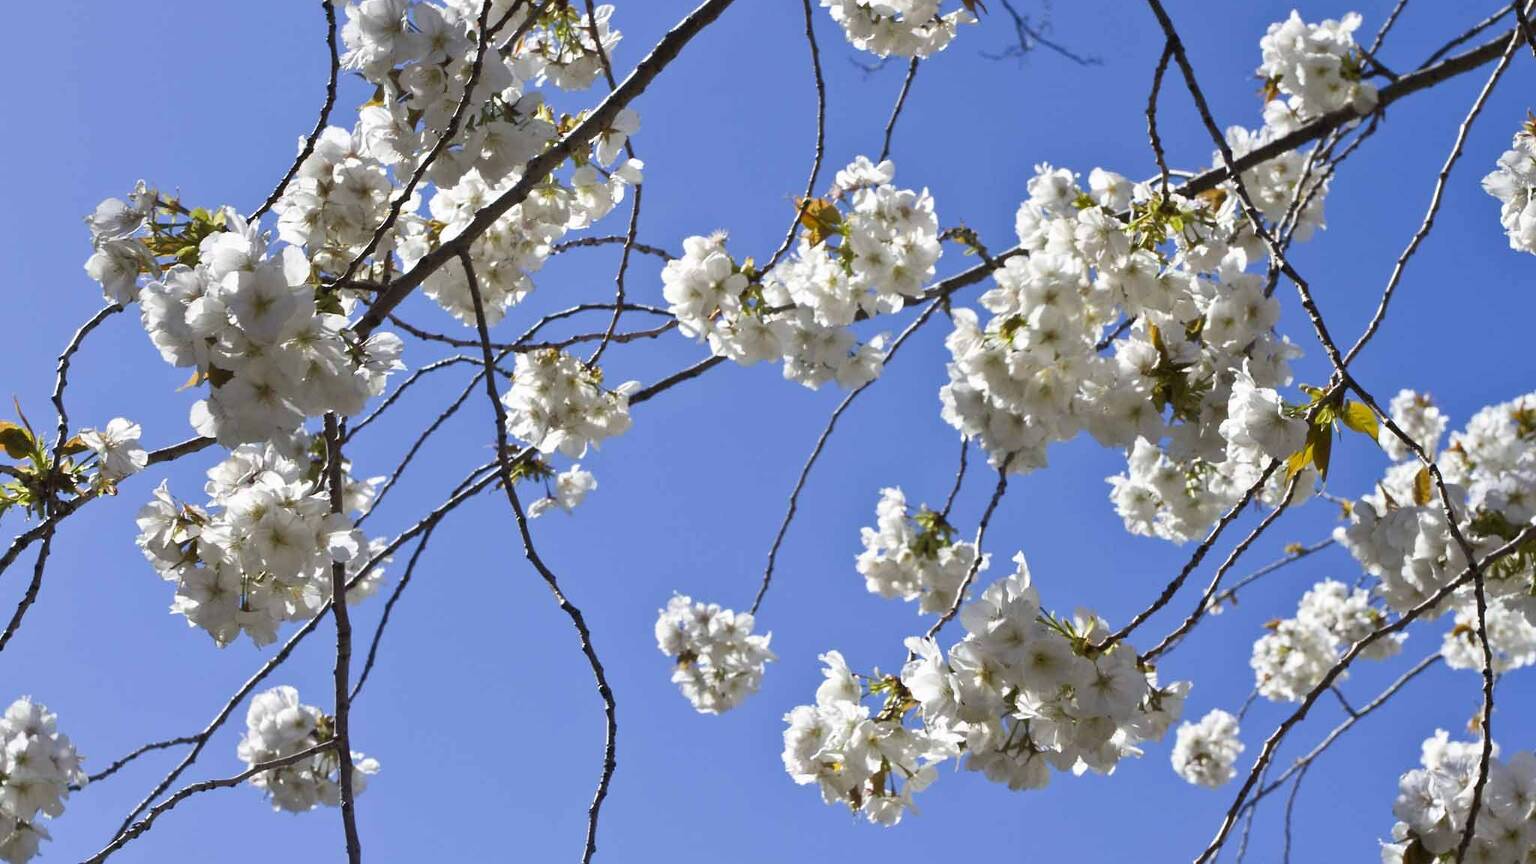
x,y
277,726
261,552
1435,800
1022,693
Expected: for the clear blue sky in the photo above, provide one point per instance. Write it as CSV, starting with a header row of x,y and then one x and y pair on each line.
x,y
482,711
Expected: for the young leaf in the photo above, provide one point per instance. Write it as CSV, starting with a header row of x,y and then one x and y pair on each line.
x,y
1299,460
1423,487
820,218
16,441
198,377
1361,419
1320,439
73,446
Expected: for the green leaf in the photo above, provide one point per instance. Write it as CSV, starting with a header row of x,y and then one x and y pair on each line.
x,y
1423,487
1361,419
1321,442
1298,460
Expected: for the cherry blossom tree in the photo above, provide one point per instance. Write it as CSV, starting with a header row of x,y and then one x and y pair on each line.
x,y
1138,313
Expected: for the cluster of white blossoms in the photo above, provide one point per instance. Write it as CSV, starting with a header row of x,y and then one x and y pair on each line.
x,y
570,489
905,28
719,659
335,202
871,764
118,451
38,765
1257,420
261,552
420,57
1022,693
1400,535
1279,187
869,256
119,256
1202,340
558,403
1418,416
914,557
1513,183
1204,752
277,725
271,343
887,242
1296,653
1317,67
430,46
1433,802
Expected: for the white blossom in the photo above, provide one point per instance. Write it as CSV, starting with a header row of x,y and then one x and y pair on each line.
x,y
117,448
719,659
1204,752
261,553
914,558
277,725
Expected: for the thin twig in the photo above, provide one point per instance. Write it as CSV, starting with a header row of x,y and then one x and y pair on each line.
x,y
821,443
821,138
539,167
901,102
181,795
976,561
508,482
325,115
451,131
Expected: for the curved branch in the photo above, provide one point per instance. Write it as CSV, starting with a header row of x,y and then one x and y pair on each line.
x,y
508,482
325,115
181,795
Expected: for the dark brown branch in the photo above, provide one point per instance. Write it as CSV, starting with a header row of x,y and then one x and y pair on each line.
x,y
954,491
33,587
1265,789
1173,586
508,483
389,607
901,102
119,764
201,738
821,138
981,535
541,165
183,794
343,673
1272,743
821,443
1215,584
1428,222
484,36
634,211
580,242
1152,136
325,115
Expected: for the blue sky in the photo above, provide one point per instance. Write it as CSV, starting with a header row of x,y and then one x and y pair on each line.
x,y
481,710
